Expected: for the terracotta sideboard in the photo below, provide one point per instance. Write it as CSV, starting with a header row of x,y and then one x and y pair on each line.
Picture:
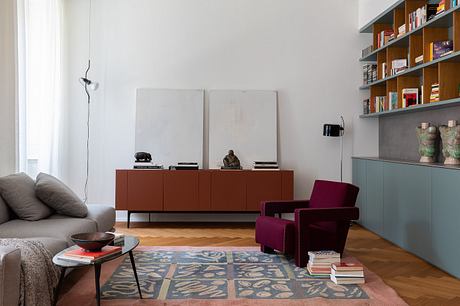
x,y
201,191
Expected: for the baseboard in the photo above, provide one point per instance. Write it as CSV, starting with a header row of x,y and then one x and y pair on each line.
x,y
188,217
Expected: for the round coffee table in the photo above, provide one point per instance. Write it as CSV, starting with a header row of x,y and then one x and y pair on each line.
x,y
129,245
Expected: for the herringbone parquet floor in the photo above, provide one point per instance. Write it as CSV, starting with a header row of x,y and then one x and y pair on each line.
x,y
416,281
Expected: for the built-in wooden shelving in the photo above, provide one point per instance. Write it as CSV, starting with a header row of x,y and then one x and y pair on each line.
x,y
445,70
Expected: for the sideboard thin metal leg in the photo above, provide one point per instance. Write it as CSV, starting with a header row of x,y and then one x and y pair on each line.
x,y
129,217
59,286
133,265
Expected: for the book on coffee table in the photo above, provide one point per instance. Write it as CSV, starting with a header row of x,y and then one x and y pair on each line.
x,y
80,255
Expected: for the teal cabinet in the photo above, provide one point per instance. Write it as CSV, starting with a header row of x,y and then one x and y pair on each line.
x,y
445,216
413,205
374,197
359,179
406,214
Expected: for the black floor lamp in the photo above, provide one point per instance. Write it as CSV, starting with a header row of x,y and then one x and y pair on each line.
x,y
336,130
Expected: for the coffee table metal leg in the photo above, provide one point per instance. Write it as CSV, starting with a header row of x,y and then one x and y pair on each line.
x,y
59,286
97,274
133,264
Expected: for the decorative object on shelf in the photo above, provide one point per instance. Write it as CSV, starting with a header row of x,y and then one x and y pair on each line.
x,y
427,136
143,157
450,136
336,130
231,161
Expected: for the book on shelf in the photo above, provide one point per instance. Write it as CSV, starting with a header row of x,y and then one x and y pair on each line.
x,y
393,100
80,255
384,37
401,30
366,51
434,96
384,70
419,59
398,65
380,103
185,166
423,14
265,165
439,49
441,7
455,2
369,73
410,97
366,107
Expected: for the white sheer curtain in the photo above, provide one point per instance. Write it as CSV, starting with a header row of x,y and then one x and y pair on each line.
x,y
40,84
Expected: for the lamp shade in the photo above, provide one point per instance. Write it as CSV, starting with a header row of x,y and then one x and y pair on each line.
x,y
332,130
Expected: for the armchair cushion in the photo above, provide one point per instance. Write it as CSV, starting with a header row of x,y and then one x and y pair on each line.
x,y
275,233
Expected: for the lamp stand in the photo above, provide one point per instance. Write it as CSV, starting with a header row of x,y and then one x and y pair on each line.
x,y
342,132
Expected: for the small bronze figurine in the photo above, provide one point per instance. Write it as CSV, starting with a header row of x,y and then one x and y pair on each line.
x,y
231,161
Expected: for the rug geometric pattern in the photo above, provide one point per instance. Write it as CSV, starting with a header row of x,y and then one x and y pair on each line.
x,y
220,275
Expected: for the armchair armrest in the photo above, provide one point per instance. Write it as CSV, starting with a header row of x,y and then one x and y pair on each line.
x,y
311,215
10,271
270,208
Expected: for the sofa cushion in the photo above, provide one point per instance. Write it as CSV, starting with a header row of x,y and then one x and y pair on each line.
x,y
58,196
54,245
61,228
18,191
4,211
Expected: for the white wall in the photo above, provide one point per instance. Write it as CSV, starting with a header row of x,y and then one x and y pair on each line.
x,y
309,56
7,87
368,9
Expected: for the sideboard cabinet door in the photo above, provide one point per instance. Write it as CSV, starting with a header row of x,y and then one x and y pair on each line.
x,y
228,191
445,216
145,190
181,191
374,196
359,180
262,186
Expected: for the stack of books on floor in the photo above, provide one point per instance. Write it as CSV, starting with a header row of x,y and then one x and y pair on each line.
x,y
434,96
185,166
266,165
146,165
81,256
347,273
319,262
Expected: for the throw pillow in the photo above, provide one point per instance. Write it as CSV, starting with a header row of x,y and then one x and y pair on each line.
x,y
58,196
18,191
4,211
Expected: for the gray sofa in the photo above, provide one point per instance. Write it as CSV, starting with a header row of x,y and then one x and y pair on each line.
x,y
53,232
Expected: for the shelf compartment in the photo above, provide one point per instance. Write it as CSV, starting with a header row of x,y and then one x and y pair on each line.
x,y
394,53
415,48
430,35
430,77
449,80
406,82
376,90
391,86
411,6
456,30
399,18
377,28
381,58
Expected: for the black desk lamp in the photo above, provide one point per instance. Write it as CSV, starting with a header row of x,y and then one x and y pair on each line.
x,y
336,130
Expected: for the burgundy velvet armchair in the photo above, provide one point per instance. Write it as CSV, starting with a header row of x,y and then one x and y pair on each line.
x,y
320,223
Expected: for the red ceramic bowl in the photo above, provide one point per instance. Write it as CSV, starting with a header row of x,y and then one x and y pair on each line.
x,y
92,242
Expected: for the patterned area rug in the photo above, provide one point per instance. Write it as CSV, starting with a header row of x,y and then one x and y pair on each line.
x,y
213,275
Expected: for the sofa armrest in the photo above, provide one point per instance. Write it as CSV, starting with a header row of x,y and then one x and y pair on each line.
x,y
270,208
103,215
10,271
